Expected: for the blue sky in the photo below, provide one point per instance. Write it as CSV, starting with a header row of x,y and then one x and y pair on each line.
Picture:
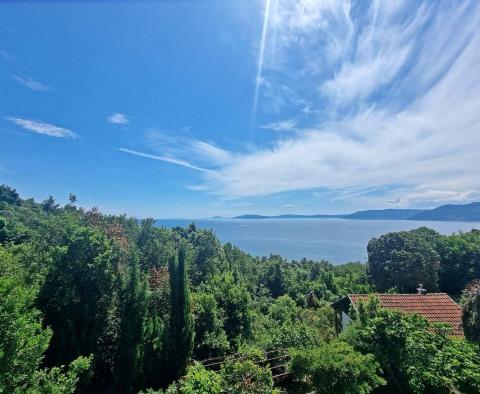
x,y
201,108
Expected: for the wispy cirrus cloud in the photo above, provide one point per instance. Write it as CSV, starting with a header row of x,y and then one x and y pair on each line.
x,y
9,57
213,154
403,102
118,118
184,146
387,100
39,127
31,83
377,53
428,143
263,39
183,150
283,125
172,160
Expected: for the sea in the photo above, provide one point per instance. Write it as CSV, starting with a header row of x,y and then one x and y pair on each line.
x,y
336,240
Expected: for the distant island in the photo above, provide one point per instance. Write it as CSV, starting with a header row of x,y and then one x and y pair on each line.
x,y
461,213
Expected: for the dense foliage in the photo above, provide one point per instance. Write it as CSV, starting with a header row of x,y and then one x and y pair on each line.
x,y
402,260
93,303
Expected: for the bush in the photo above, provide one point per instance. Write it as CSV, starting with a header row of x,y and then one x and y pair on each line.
x,y
245,377
198,380
336,368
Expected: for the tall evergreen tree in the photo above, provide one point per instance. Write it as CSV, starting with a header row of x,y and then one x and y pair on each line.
x,y
157,329
49,205
181,319
133,312
276,281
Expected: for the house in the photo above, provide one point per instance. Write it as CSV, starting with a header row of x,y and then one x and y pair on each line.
x,y
435,307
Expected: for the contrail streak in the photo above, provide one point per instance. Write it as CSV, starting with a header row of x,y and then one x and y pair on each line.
x,y
260,59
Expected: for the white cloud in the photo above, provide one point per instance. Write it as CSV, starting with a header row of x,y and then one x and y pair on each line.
x,y
118,118
359,80
440,196
167,159
396,106
381,48
39,127
31,83
209,151
297,24
375,148
350,50
425,140
284,125
182,145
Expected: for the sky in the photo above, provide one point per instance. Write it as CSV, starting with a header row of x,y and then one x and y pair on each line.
x,y
191,109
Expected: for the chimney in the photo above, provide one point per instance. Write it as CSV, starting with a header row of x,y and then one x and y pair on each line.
x,y
421,290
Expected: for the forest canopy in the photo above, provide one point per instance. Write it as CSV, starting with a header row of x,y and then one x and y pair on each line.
x,y
106,303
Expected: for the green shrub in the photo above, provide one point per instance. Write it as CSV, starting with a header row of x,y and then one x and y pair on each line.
x,y
245,377
336,368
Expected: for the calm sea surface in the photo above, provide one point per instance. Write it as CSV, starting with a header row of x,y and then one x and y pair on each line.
x,y
336,240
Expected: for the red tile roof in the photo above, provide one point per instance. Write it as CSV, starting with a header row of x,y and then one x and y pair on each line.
x,y
435,307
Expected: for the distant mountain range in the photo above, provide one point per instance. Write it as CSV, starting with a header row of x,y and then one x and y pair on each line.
x,y
462,213
383,214
466,213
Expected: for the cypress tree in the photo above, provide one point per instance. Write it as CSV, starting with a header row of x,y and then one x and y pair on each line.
x,y
132,327
181,319
157,331
277,285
